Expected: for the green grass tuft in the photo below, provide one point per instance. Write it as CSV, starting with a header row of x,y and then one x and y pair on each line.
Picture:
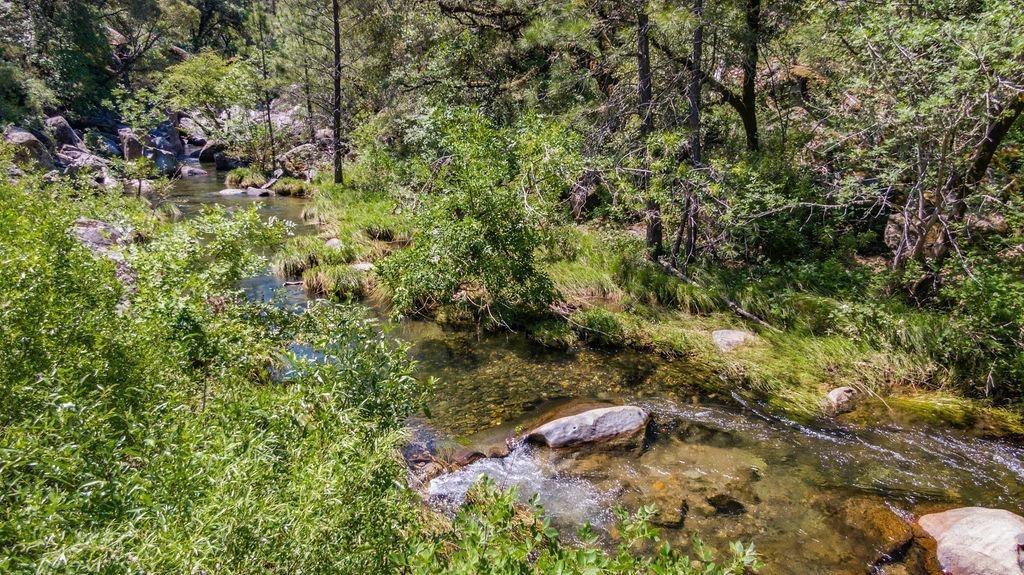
x,y
245,178
337,281
302,253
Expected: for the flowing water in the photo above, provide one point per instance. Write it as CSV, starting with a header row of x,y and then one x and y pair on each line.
x,y
813,498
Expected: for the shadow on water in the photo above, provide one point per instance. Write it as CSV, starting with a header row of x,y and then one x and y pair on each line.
x,y
813,498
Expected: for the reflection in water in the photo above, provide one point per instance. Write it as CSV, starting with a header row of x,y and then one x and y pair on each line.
x,y
714,465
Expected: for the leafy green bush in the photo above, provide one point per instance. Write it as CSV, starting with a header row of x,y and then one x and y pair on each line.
x,y
492,535
477,236
145,437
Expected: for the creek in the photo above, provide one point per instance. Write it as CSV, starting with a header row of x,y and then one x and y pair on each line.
x,y
814,498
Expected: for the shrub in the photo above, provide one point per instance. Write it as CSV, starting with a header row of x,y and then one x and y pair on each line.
x,y
493,535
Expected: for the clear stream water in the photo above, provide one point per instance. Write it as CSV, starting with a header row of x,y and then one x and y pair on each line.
x,y
814,499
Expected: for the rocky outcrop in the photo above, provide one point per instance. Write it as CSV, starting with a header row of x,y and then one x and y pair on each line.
x,y
28,148
76,159
730,339
224,162
210,150
63,133
166,137
609,426
977,541
166,161
105,145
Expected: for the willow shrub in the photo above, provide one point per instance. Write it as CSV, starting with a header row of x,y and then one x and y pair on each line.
x,y
152,437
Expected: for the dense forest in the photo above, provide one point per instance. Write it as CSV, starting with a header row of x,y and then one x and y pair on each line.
x,y
812,208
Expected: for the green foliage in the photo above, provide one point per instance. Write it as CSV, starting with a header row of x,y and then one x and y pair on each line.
x,y
208,83
477,235
493,535
146,438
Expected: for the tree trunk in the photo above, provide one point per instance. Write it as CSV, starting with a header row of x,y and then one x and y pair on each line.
x,y
959,186
689,215
339,175
268,99
748,113
652,214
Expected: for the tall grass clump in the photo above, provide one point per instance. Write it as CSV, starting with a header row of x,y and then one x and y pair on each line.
x,y
302,253
582,266
341,282
245,178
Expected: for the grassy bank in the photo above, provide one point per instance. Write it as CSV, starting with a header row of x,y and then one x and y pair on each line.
x,y
829,328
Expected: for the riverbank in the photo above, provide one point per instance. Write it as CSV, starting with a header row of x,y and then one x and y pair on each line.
x,y
609,299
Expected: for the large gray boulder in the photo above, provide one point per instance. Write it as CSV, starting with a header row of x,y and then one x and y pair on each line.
x,y
210,150
77,159
166,137
63,133
187,171
977,541
299,160
130,143
28,148
166,161
619,425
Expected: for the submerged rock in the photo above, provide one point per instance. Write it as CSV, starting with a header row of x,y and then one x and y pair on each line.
x,y
885,534
620,425
730,339
725,504
977,541
252,192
